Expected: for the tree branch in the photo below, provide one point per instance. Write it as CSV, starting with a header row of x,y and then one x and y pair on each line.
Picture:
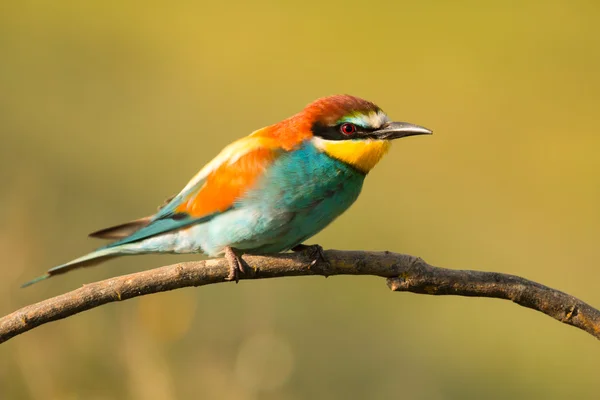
x,y
405,273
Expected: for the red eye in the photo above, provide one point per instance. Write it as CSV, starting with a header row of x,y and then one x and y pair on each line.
x,y
348,129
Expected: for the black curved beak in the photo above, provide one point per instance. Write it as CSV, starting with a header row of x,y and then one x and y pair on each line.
x,y
397,130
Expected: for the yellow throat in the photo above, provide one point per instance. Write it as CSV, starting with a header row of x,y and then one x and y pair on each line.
x,y
361,154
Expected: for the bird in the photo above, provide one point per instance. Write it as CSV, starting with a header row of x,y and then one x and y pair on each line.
x,y
265,193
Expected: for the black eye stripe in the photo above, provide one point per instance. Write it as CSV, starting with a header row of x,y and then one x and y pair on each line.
x,y
334,132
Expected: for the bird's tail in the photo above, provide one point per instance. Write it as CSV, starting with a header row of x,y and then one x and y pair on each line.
x,y
93,258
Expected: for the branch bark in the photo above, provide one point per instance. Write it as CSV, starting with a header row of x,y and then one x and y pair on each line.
x,y
404,273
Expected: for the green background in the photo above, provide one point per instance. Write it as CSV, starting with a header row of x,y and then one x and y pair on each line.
x,y
108,107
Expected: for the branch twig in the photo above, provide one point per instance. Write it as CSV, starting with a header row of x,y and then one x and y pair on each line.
x,y
405,274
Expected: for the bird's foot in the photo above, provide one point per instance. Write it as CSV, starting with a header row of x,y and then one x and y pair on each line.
x,y
236,264
317,255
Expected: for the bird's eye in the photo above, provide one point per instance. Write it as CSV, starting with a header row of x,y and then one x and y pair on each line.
x,y
348,129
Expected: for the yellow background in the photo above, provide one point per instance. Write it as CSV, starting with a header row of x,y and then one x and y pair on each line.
x,y
108,107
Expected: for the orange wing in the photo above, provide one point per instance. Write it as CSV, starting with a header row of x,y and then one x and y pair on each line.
x,y
214,190
228,182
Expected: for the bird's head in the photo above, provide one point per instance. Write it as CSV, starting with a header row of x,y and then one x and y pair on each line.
x,y
354,130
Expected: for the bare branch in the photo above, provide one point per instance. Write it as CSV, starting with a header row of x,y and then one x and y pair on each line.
x,y
405,274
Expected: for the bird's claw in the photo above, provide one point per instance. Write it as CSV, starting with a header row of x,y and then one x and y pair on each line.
x,y
316,253
236,265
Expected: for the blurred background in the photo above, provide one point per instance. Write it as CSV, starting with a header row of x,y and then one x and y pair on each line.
x,y
107,108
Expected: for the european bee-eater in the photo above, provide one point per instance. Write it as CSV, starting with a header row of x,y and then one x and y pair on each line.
x,y
267,192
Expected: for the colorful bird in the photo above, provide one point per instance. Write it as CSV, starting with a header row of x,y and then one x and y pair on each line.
x,y
265,193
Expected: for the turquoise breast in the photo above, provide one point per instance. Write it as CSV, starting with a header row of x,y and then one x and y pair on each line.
x,y
300,194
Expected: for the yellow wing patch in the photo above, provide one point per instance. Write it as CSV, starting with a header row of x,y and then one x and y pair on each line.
x,y
361,154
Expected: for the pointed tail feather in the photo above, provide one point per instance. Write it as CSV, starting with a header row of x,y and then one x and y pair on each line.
x,y
36,280
123,230
93,258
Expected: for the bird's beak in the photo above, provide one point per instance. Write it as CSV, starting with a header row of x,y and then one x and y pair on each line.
x,y
396,130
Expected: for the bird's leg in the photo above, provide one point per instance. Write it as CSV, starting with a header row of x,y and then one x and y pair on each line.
x,y
236,264
316,254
